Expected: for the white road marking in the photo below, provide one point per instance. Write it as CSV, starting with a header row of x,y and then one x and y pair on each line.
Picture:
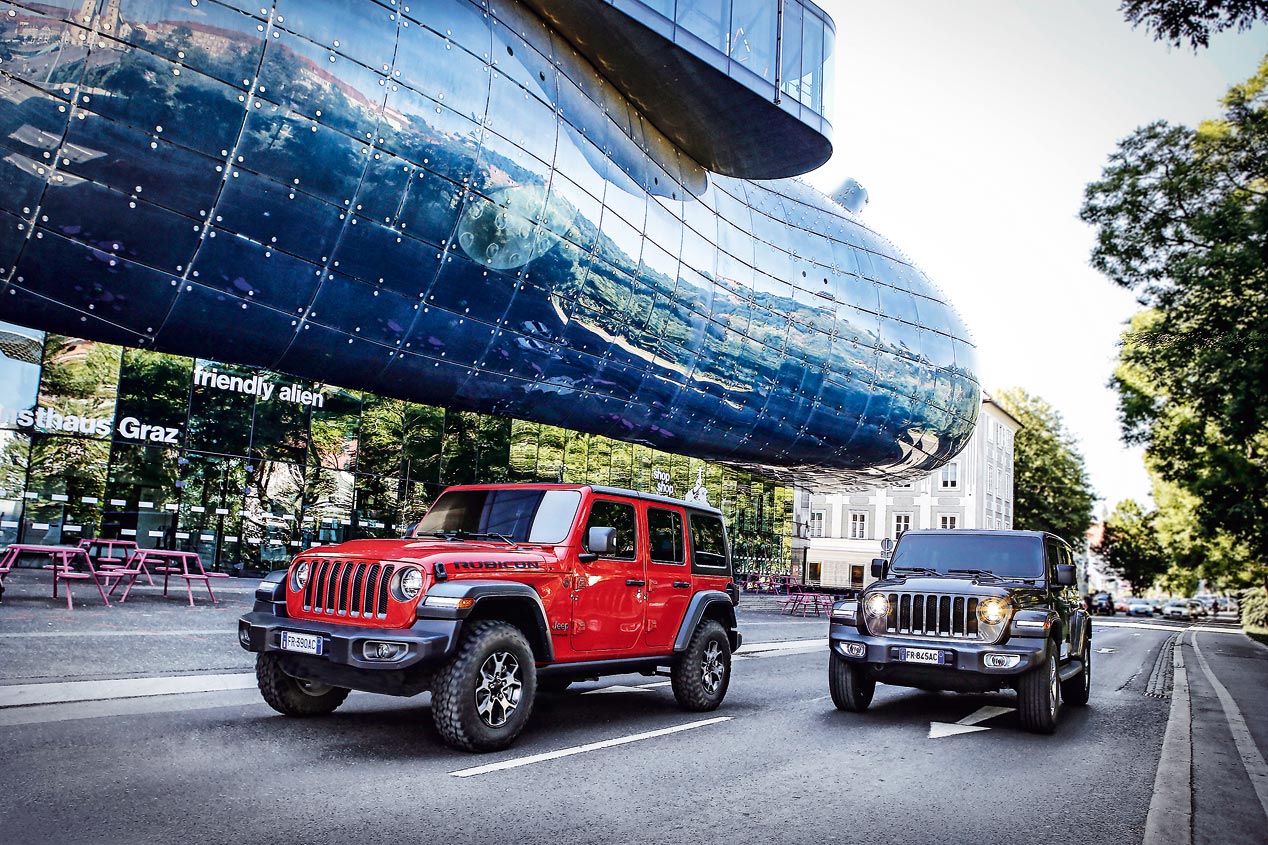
x,y
1156,626
1170,819
969,724
23,695
1252,760
1105,650
624,688
583,749
775,649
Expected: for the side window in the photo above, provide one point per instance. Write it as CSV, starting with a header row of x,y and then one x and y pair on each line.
x,y
708,542
618,515
664,529
1052,555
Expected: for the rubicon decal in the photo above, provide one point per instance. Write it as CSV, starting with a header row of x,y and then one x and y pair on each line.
x,y
498,564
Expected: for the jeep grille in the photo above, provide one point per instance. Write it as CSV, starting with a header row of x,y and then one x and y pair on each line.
x,y
348,588
932,615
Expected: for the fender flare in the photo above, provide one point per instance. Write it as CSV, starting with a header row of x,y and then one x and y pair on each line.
x,y
484,592
702,602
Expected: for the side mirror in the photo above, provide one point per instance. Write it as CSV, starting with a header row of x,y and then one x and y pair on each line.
x,y
1065,575
879,565
599,542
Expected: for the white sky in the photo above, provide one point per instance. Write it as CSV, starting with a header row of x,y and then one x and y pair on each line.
x,y
974,125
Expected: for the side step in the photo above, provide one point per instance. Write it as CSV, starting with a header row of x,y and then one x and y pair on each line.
x,y
1071,669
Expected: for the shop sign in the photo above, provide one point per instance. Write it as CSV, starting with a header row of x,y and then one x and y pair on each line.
x,y
49,421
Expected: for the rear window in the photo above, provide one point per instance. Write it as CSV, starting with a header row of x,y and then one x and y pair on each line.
x,y
708,542
1006,555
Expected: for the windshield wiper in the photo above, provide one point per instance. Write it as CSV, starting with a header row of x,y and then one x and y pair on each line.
x,y
917,570
981,573
494,535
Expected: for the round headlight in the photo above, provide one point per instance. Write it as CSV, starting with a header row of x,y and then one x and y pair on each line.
x,y
877,604
992,611
301,574
411,583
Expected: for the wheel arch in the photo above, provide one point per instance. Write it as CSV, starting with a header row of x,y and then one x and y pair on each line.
x,y
509,601
708,604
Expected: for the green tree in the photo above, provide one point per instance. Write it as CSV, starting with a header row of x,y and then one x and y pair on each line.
x,y
1129,546
1051,490
1181,217
1194,21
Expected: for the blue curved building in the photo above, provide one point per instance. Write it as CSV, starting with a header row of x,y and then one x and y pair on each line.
x,y
571,212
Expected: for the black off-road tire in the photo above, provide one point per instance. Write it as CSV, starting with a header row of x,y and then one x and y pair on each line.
x,y
851,689
1079,688
1039,696
292,696
701,674
482,698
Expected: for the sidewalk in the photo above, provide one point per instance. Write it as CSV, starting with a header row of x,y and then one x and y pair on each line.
x,y
1212,781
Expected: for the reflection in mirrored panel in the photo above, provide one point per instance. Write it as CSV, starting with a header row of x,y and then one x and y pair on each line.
x,y
451,204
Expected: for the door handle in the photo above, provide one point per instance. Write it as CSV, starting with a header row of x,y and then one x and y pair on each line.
x,y
634,582
682,585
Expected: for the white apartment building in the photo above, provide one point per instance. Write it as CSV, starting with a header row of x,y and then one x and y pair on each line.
x,y
843,531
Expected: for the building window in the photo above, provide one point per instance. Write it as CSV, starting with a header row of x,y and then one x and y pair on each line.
x,y
902,524
805,498
816,524
947,521
951,476
990,479
858,526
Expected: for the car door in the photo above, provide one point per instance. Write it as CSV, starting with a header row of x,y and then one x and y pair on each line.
x,y
1062,597
668,578
609,593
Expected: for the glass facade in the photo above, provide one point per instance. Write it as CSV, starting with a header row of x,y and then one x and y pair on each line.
x,y
247,467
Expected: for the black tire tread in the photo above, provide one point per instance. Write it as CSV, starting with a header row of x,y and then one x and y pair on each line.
x,y
1032,700
1077,690
449,696
850,690
283,694
684,676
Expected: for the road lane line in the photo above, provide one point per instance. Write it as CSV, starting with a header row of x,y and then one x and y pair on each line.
x,y
1252,760
1170,819
24,695
776,649
583,749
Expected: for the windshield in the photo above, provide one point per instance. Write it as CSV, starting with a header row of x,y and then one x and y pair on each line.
x,y
520,516
1005,555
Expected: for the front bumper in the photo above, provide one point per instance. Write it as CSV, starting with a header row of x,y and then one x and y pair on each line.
x,y
883,657
427,644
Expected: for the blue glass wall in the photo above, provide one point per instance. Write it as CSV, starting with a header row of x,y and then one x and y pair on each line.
x,y
448,205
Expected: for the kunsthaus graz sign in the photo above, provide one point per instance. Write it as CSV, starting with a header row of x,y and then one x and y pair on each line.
x,y
51,421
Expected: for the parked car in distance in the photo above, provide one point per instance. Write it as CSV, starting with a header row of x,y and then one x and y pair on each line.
x,y
1199,608
1179,610
1140,607
1121,604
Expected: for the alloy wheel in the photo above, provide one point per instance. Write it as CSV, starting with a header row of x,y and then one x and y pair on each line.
x,y
711,668
500,689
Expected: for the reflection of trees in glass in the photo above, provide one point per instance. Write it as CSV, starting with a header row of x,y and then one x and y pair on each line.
x,y
14,455
270,512
220,420
398,459
71,466
332,438
80,378
280,427
523,456
154,388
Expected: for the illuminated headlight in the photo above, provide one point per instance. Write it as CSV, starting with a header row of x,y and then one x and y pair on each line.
x,y
992,611
877,604
411,583
1002,661
301,575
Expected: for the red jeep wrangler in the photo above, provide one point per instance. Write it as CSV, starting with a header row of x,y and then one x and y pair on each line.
x,y
502,590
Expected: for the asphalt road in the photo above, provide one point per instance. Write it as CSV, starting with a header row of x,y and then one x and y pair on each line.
x,y
777,763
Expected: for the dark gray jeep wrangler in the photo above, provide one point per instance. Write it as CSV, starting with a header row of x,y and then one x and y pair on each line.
x,y
969,611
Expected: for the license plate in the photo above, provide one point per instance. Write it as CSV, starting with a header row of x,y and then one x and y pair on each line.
x,y
921,655
303,643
